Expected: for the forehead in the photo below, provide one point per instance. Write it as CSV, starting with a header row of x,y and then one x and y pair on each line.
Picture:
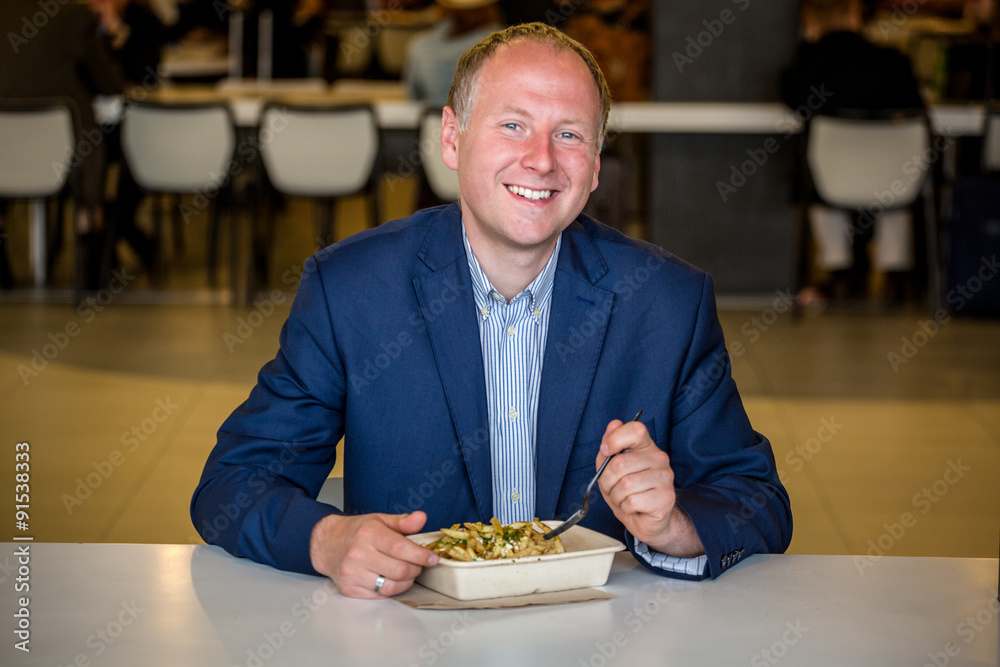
x,y
537,67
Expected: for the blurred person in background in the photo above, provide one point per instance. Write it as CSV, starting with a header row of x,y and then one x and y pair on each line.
x,y
854,76
135,38
433,56
65,57
972,62
294,24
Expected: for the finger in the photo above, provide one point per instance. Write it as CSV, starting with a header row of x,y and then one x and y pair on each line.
x,y
642,492
618,437
389,587
399,547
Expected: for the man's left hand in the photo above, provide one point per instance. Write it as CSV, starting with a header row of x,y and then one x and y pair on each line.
x,y
638,485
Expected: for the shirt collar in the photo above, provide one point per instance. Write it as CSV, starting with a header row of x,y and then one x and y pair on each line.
x,y
539,292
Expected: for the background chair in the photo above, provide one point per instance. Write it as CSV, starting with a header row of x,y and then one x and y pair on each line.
x,y
36,150
991,138
185,149
442,180
865,164
320,153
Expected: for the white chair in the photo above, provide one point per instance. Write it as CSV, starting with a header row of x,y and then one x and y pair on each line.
x,y
185,150
854,162
991,138
442,180
35,159
867,165
321,153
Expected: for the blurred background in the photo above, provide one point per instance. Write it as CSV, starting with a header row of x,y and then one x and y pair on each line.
x,y
167,166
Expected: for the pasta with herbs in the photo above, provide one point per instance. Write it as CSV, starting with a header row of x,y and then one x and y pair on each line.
x,y
479,541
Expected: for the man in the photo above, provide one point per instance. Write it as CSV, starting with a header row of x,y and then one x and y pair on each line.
x,y
432,56
477,358
837,70
62,56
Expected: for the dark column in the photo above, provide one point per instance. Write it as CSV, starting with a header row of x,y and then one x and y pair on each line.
x,y
724,51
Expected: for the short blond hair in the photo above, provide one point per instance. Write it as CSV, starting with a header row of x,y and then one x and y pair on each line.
x,y
463,86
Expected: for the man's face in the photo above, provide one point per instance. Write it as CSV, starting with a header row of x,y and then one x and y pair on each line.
x,y
528,161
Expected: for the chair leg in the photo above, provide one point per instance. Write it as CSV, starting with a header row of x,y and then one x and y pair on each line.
x,y
800,264
212,260
324,212
56,235
934,279
156,209
257,264
177,228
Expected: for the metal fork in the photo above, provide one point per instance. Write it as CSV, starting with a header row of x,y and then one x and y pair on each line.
x,y
582,512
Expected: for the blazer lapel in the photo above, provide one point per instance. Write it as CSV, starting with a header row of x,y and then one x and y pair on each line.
x,y
577,325
448,309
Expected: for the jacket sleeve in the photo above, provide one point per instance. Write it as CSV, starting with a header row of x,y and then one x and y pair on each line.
x,y
725,472
256,497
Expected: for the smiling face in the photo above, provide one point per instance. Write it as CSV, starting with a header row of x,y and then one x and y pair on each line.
x,y
529,158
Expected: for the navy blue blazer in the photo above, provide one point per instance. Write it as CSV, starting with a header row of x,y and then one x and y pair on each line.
x,y
382,347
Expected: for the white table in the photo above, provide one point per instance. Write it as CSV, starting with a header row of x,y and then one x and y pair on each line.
x,y
173,605
395,112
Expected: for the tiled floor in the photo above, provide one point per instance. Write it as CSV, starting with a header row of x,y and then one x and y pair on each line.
x,y
120,407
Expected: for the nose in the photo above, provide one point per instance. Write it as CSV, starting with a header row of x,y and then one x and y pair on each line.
x,y
539,156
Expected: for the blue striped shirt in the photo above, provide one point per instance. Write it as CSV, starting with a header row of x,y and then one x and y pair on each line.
x,y
513,341
513,336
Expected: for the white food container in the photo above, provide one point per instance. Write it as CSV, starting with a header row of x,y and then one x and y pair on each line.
x,y
586,562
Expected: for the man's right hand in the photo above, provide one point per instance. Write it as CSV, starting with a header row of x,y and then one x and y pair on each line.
x,y
355,550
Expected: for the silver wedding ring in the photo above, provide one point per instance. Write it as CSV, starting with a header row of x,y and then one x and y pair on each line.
x,y
379,583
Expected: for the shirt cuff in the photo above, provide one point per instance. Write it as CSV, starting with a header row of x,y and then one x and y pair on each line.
x,y
693,567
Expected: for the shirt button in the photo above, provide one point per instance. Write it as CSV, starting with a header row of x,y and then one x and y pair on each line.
x,y
484,311
497,296
511,330
512,414
515,496
538,312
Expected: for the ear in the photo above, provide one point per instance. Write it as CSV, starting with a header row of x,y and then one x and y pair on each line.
x,y
597,170
449,138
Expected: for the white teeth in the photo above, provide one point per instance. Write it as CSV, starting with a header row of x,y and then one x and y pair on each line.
x,y
529,194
